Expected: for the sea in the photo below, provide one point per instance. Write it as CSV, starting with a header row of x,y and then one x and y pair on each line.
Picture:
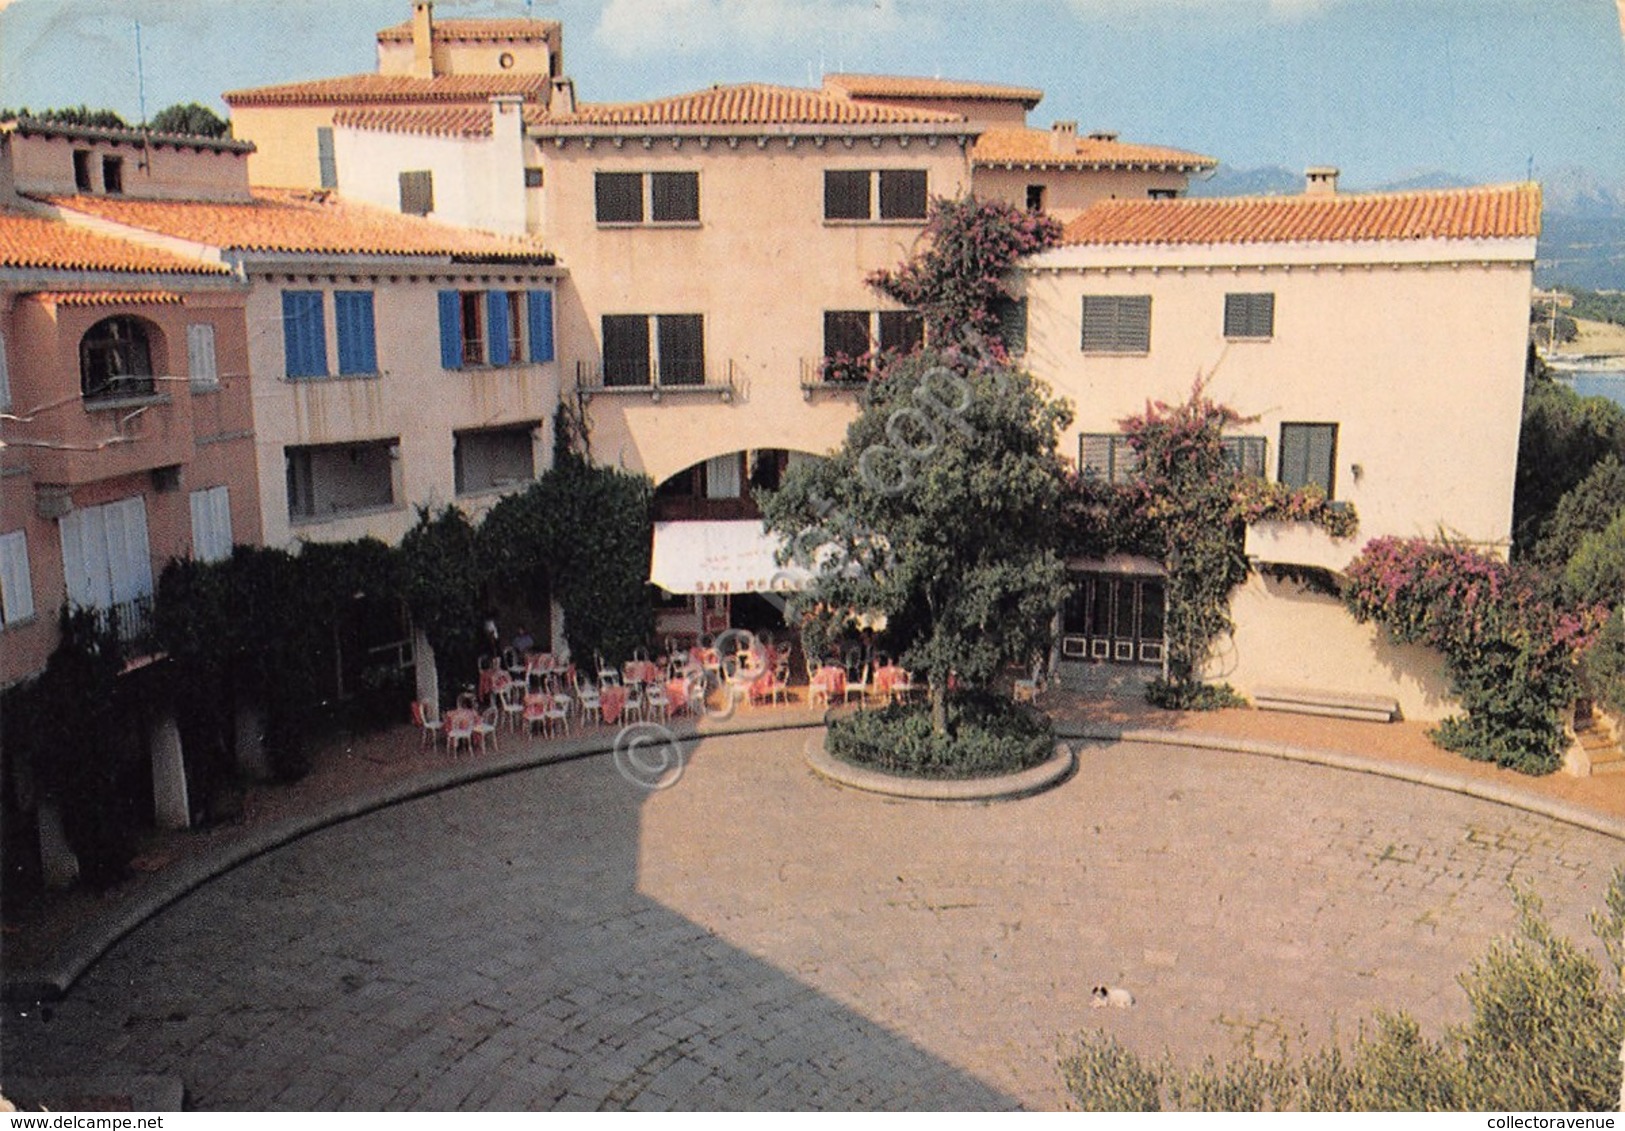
x,y
1592,376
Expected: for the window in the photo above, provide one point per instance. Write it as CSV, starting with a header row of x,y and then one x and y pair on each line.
x,y
1245,454
901,331
105,560
533,176
1249,315
1012,316
1161,194
211,524
326,169
304,334
1035,198
1108,456
850,194
329,480
1308,456
81,170
417,192
352,319
200,362
5,377
492,459
16,584
619,197
846,333
674,198
495,328
1116,323
722,476
678,342
115,359
113,174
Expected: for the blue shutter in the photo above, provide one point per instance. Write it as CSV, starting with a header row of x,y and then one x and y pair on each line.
x,y
352,316
304,334
451,330
496,321
540,310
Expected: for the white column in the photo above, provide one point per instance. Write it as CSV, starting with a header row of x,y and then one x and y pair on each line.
x,y
561,646
428,675
171,809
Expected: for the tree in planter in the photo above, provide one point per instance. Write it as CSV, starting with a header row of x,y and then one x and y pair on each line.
x,y
942,510
443,582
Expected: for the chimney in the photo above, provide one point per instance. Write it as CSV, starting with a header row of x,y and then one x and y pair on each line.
x,y
1103,135
423,39
1320,180
1063,137
561,96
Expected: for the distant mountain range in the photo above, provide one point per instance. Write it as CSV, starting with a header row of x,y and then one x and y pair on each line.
x,y
1582,242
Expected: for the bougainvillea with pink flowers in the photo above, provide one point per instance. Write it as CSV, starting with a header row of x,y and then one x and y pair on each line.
x,y
1511,643
961,277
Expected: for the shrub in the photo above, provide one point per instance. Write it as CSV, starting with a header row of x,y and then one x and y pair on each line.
x,y
988,736
1172,696
1510,646
1544,1035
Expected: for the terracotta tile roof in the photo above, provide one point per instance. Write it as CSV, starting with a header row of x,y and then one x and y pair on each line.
x,y
304,223
475,30
1488,212
1002,146
750,104
370,88
36,127
40,242
906,86
443,121
109,298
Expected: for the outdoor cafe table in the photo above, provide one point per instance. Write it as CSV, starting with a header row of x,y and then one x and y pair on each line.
x,y
831,680
888,679
612,701
640,671
677,694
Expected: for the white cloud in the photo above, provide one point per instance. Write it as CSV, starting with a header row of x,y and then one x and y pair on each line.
x,y
632,28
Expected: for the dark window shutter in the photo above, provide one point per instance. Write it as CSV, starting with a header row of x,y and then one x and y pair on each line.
x,y
626,349
681,341
326,167
1012,316
674,197
1108,456
902,194
1249,315
619,197
846,333
1116,323
901,330
1308,455
846,194
417,192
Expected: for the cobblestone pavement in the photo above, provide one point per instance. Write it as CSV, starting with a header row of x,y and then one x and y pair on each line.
x,y
755,937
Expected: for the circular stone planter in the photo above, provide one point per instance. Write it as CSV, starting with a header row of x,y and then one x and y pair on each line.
x,y
1006,787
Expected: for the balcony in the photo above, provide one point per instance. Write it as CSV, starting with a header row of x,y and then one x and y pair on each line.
x,y
695,508
1300,543
685,379
837,375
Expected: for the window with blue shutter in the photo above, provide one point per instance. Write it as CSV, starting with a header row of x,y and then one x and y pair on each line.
x,y
304,334
496,309
352,318
451,330
540,308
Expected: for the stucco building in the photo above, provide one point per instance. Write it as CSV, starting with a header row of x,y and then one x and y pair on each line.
x,y
1376,344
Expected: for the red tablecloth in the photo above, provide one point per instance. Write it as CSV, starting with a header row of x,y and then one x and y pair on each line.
x,y
640,671
612,701
677,693
889,678
831,679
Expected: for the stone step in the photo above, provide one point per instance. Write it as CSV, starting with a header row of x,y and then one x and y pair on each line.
x,y
1332,704
1607,761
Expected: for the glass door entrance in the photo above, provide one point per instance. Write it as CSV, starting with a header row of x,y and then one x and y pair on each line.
x,y
1113,617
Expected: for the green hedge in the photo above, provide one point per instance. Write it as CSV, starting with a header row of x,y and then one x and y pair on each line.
x,y
987,736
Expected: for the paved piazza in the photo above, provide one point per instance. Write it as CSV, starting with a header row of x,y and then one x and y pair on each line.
x,y
755,937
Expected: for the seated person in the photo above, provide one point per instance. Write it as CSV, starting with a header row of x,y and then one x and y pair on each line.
x,y
524,643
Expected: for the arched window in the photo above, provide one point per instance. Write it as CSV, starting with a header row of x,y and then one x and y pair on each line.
x,y
115,359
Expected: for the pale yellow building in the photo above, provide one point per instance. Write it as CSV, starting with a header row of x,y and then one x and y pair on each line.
x,y
1375,341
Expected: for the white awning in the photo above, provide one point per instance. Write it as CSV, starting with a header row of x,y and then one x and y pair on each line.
x,y
720,557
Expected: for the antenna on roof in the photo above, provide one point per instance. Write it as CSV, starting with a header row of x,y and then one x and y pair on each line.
x,y
141,99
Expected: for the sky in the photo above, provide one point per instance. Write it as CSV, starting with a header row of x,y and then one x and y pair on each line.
x,y
1488,90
